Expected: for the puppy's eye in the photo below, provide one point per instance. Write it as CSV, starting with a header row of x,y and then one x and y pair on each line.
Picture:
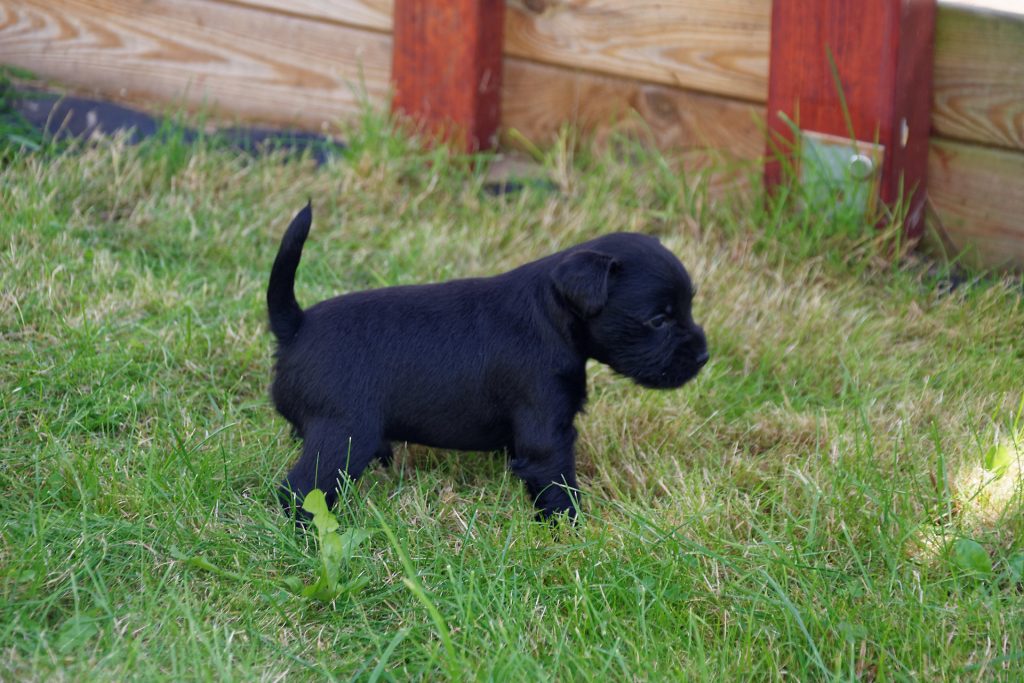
x,y
659,321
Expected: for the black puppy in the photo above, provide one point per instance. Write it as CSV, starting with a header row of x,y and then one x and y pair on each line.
x,y
478,364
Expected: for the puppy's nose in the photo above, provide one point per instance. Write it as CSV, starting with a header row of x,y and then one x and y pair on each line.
x,y
701,358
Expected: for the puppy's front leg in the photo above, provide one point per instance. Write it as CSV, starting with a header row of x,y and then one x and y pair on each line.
x,y
543,458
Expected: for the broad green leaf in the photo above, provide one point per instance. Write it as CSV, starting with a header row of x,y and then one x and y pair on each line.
x,y
315,503
356,584
200,562
970,556
325,594
998,459
335,551
319,590
292,584
1015,565
351,540
332,553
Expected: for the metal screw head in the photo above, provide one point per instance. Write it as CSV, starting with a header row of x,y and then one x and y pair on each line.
x,y
862,166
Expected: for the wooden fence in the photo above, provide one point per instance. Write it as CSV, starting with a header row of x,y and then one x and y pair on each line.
x,y
695,71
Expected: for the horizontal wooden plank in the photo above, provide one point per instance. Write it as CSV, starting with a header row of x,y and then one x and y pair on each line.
x,y
717,47
979,76
235,60
978,197
539,99
375,15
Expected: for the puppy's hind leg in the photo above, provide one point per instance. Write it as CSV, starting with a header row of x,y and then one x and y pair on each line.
x,y
330,448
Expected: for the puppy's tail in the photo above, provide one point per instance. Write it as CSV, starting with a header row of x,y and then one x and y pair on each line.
x,y
285,314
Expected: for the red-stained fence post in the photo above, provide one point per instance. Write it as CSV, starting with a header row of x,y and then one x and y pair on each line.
x,y
446,68
882,52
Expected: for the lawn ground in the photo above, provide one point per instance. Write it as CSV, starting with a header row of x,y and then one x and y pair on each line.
x,y
836,497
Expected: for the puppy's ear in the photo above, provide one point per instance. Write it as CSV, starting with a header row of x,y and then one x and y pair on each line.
x,y
582,280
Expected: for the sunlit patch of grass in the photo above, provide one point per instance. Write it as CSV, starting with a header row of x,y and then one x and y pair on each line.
x,y
990,489
990,496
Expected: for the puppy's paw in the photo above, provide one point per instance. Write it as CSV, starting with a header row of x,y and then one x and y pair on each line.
x,y
558,508
554,501
559,518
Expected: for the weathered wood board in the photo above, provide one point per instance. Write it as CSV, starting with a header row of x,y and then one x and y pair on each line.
x,y
978,194
248,63
376,15
539,99
717,47
979,76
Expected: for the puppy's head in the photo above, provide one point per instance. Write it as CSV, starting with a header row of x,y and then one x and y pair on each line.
x,y
632,299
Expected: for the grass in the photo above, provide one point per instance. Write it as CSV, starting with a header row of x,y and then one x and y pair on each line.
x,y
811,507
16,134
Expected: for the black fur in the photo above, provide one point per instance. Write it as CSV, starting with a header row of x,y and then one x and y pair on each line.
x,y
480,364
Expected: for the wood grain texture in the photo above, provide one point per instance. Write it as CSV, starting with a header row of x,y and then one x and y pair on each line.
x,y
375,15
979,76
540,99
718,47
234,60
723,47
447,68
978,195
